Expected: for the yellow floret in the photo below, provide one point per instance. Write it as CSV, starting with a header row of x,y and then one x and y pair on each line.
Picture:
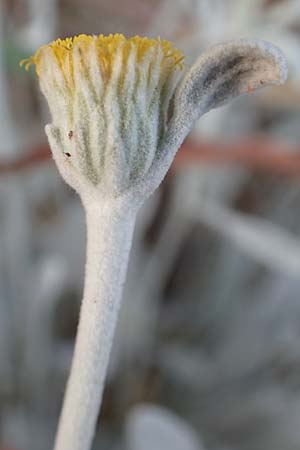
x,y
107,48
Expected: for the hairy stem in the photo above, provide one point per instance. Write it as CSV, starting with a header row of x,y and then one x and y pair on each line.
x,y
109,236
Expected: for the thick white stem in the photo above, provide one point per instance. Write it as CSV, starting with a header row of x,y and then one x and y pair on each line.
x,y
109,236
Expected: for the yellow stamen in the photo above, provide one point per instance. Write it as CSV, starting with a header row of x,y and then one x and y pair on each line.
x,y
107,48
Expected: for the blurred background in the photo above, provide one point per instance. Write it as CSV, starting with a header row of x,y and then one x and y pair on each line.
x,y
207,352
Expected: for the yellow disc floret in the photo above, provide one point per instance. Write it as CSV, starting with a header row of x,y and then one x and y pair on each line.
x,y
107,48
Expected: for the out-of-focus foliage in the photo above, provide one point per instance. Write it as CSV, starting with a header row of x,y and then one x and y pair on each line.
x,y
210,322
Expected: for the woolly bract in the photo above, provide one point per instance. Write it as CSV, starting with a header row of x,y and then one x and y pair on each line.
x,y
120,110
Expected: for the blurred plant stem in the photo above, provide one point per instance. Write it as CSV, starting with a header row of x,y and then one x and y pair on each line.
x,y
254,152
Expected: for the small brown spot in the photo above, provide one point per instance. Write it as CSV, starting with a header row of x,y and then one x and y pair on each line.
x,y
68,154
261,82
70,134
250,88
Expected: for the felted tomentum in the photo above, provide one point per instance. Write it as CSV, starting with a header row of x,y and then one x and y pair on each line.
x,y
120,110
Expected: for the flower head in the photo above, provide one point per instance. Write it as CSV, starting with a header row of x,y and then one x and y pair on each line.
x,y
108,96
67,67
120,110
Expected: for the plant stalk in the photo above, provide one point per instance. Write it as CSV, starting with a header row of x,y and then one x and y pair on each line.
x,y
109,237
